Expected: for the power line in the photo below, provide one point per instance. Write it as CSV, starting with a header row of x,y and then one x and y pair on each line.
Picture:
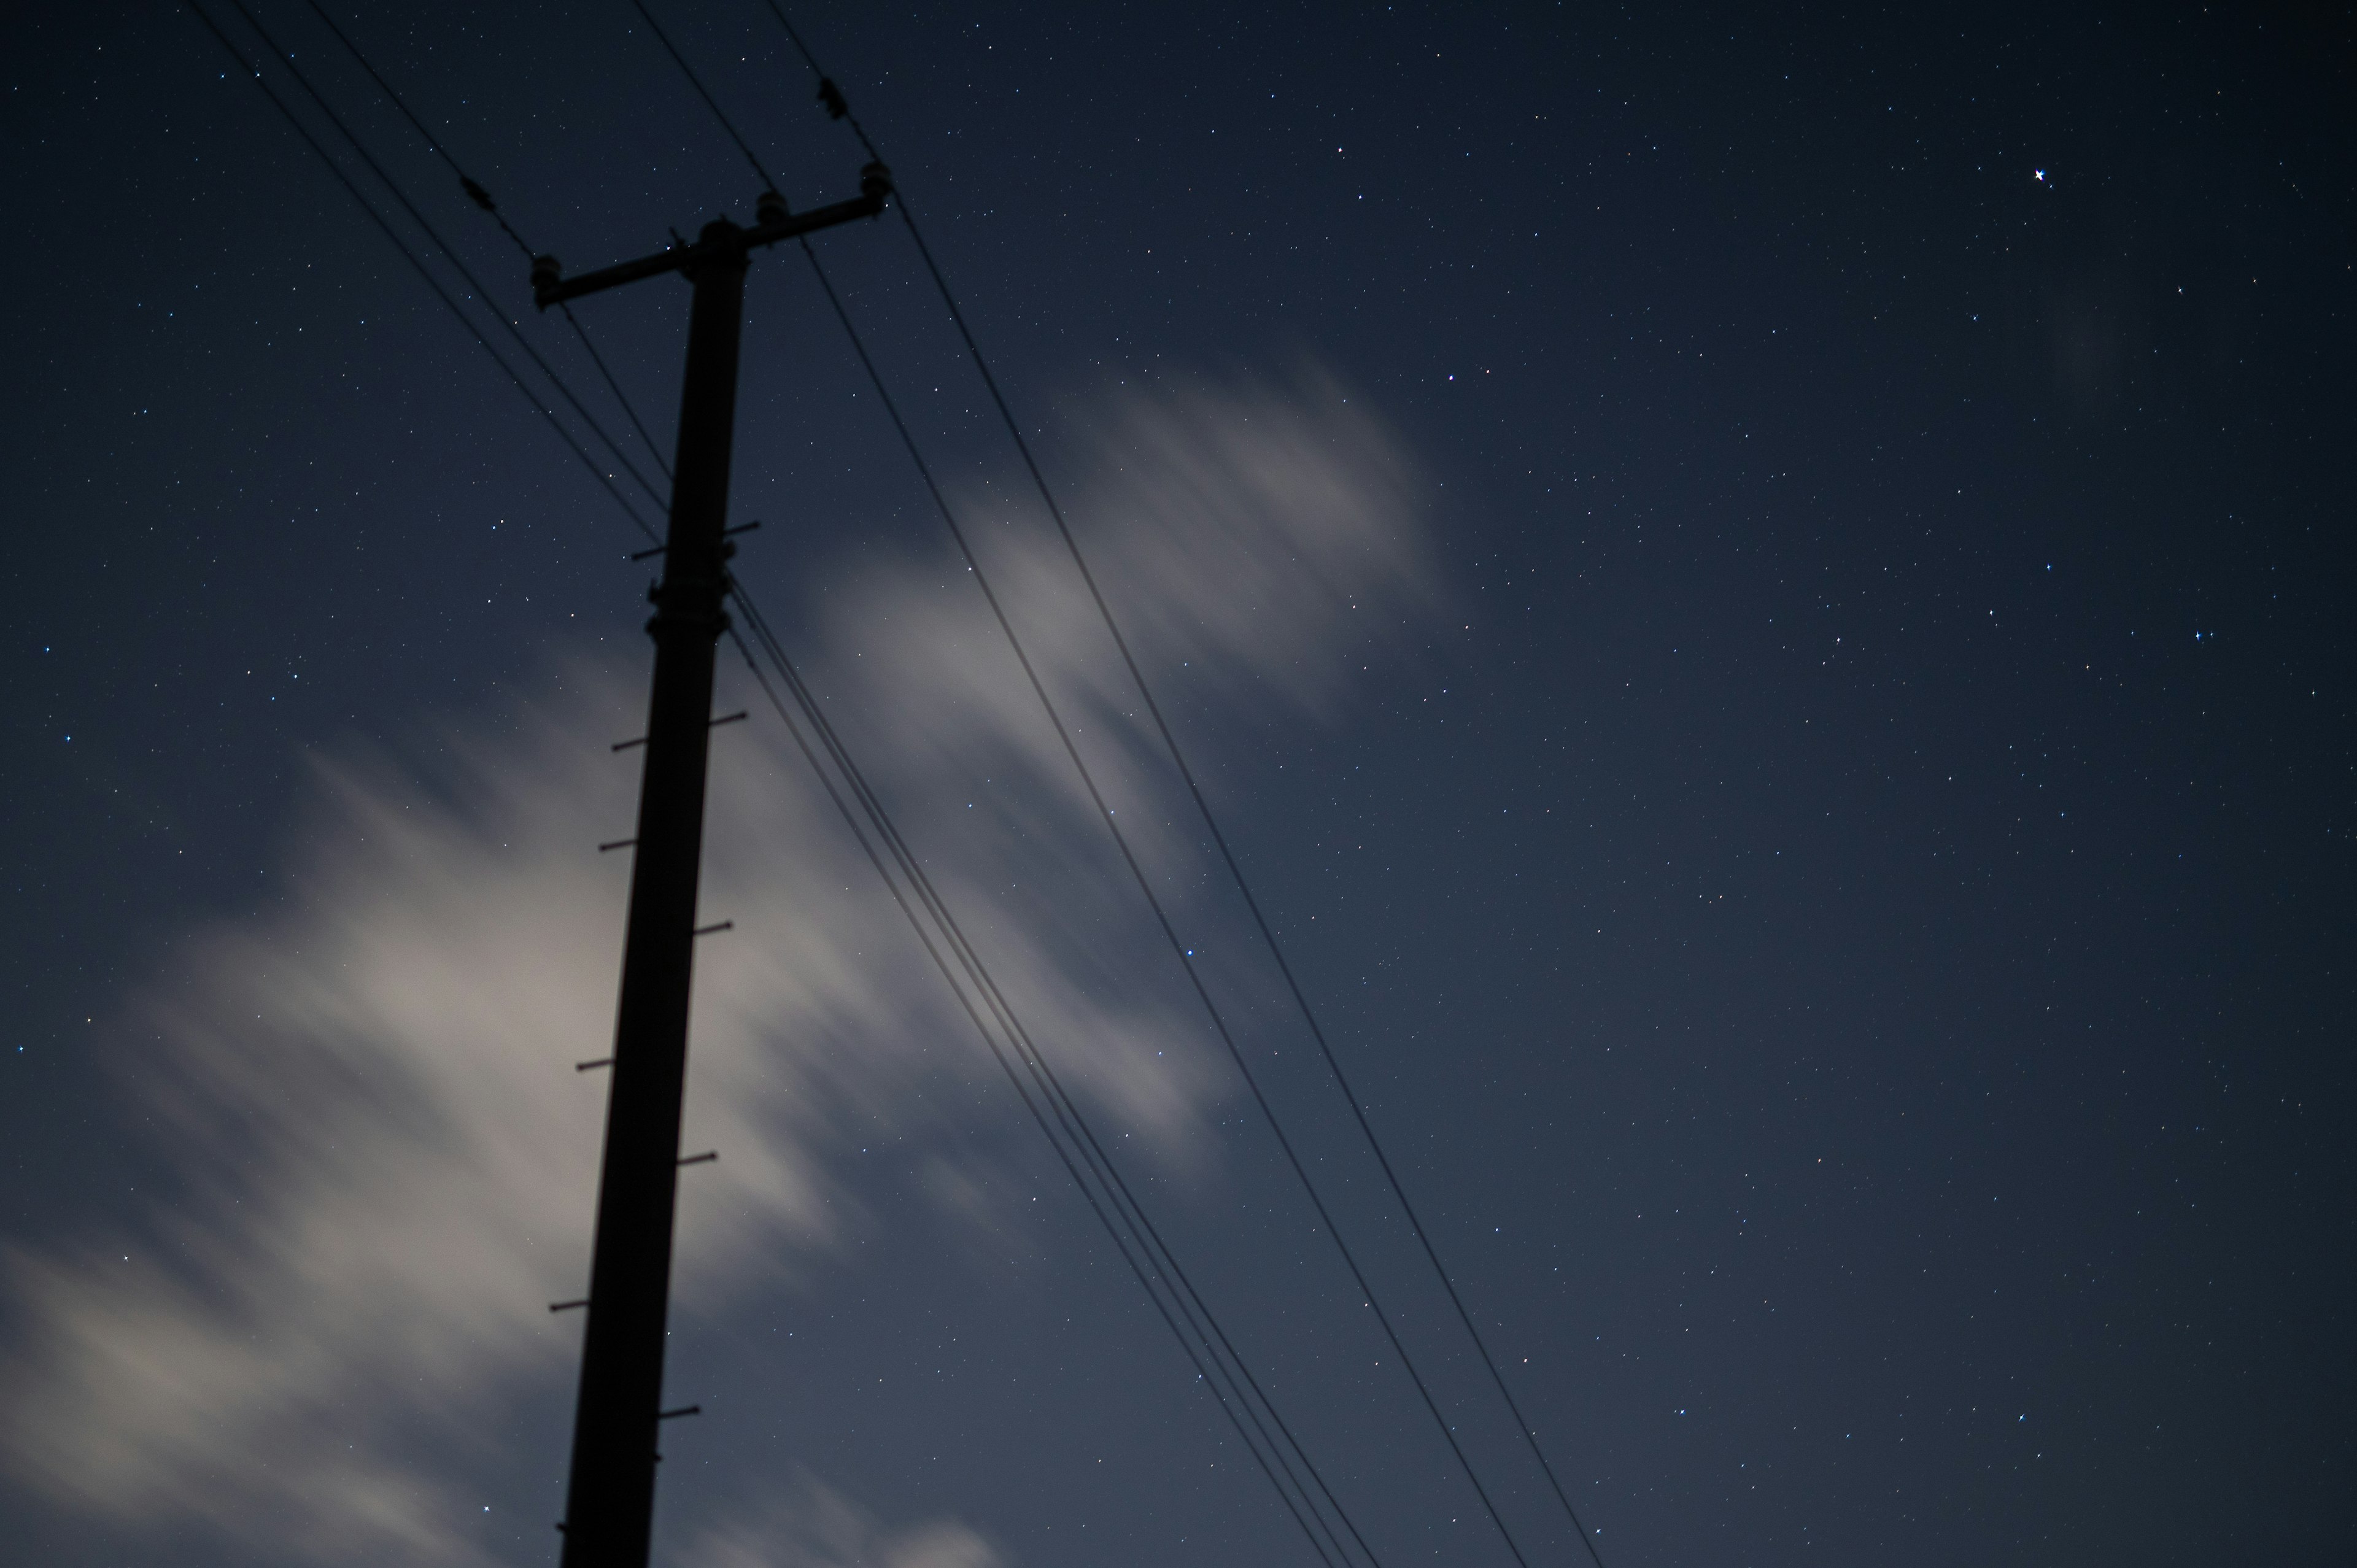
x,y
401,245
710,102
1127,1214
1015,1026
628,412
839,109
1269,935
1195,979
834,104
1149,1241
932,487
482,197
911,868
476,193
837,106
1214,1373
448,253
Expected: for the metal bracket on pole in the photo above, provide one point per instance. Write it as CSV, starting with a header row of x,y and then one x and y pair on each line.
x,y
551,287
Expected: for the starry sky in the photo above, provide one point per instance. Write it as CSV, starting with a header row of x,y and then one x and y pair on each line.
x,y
1755,593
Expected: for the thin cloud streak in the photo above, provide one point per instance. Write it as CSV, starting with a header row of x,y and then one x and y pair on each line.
x,y
815,1526
385,1162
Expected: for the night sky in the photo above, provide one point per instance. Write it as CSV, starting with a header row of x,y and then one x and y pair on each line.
x,y
1759,596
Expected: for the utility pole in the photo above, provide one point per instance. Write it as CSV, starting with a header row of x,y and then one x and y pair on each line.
x,y
609,1498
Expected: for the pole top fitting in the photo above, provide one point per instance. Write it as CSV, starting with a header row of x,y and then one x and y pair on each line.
x,y
545,272
876,182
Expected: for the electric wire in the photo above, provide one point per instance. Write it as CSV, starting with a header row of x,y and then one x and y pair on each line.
x,y
834,101
933,488
1203,992
448,253
839,109
1211,1374
1268,934
1066,1114
1052,1087
837,106
628,410
844,317
475,191
482,197
989,1039
1125,1204
423,271
687,70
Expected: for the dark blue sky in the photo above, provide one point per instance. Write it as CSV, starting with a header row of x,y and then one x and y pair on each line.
x,y
1833,891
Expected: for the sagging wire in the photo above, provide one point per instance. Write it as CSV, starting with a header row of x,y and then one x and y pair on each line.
x,y
838,107
909,864
481,197
448,253
392,235
1126,1213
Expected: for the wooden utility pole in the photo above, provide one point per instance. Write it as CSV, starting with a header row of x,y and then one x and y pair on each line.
x,y
609,1498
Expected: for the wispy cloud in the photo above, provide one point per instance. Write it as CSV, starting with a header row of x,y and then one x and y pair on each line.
x,y
385,1163
815,1526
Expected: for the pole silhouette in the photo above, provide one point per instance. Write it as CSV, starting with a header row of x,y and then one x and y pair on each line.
x,y
611,1493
